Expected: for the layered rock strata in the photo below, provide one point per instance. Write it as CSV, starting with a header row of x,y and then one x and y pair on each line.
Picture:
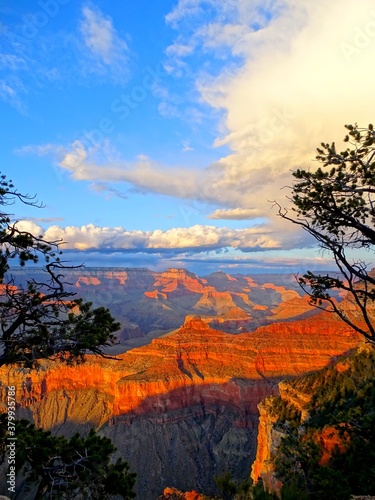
x,y
182,409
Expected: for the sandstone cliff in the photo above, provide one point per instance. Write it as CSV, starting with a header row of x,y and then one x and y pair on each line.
x,y
268,440
328,420
182,409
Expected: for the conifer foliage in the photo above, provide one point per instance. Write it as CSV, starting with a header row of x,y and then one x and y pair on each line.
x,y
57,467
336,205
342,405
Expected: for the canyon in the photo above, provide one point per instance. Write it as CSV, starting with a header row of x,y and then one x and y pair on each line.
x,y
149,304
183,408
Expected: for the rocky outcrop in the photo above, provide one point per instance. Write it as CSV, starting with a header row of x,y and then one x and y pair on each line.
x,y
295,398
270,435
174,494
268,440
331,440
307,409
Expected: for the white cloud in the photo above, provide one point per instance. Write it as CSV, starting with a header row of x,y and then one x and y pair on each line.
x,y
11,91
235,214
184,8
304,71
42,150
102,187
108,50
29,226
302,76
186,145
198,238
178,49
217,35
144,173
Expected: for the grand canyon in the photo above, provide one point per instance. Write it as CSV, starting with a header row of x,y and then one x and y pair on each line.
x,y
195,358
189,171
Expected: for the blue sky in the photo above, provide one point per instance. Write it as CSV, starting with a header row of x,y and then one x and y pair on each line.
x,y
156,134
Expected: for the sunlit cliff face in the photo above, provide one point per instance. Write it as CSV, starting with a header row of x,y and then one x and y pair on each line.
x,y
195,356
190,397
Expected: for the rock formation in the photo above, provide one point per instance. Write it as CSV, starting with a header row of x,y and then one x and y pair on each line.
x,y
268,440
154,303
182,409
174,494
331,408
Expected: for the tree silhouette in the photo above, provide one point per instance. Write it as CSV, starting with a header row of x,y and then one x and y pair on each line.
x,y
57,467
43,319
336,205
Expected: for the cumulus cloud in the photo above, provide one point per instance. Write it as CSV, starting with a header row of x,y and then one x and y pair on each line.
x,y
295,87
197,238
29,226
297,83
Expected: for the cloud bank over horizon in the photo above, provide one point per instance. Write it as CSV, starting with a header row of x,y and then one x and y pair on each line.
x,y
201,249
195,238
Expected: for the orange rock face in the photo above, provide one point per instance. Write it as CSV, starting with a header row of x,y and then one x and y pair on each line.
x,y
330,440
174,494
87,280
185,367
171,279
267,442
158,302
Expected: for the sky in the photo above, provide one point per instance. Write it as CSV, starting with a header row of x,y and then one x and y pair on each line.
x,y
158,133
